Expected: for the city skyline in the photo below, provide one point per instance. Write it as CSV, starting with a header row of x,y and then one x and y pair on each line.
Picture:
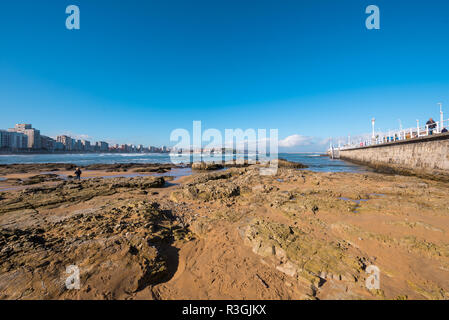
x,y
311,73
24,138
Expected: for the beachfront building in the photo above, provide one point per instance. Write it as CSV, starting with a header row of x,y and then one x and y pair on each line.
x,y
48,143
13,140
66,142
59,146
104,146
34,135
3,139
78,146
86,145
23,137
101,146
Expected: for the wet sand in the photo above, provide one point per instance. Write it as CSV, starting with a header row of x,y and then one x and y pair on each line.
x,y
230,234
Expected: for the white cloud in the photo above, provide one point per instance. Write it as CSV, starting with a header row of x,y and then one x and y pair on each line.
x,y
82,137
77,136
296,140
300,143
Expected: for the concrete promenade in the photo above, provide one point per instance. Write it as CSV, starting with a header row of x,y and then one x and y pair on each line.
x,y
424,156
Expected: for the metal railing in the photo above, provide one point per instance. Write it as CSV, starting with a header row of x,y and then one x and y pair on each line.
x,y
394,135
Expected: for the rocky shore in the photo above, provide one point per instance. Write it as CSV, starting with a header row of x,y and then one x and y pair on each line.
x,y
57,167
221,233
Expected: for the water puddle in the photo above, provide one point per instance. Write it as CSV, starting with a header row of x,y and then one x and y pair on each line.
x,y
176,173
11,189
170,184
355,201
124,175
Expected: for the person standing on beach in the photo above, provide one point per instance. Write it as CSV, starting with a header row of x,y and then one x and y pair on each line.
x,y
78,173
431,125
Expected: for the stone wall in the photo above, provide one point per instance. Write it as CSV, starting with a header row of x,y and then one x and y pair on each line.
x,y
425,156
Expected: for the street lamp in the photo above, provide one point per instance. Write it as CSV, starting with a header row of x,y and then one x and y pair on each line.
x,y
373,120
441,116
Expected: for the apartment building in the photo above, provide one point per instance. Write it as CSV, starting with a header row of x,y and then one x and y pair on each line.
x,y
13,140
34,135
66,141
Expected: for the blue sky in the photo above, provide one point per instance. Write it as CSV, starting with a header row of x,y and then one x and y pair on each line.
x,y
138,69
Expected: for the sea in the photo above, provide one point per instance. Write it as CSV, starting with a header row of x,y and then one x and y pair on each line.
x,y
315,161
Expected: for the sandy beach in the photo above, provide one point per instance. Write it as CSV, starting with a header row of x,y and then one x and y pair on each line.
x,y
228,234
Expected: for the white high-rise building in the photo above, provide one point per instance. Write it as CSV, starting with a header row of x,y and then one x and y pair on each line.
x,y
34,135
13,140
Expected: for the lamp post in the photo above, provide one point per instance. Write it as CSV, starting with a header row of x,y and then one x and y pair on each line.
x,y
441,116
373,120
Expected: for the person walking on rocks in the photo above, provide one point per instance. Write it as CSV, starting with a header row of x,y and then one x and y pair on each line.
x,y
78,173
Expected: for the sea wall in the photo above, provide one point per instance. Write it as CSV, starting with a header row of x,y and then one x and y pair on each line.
x,y
424,156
